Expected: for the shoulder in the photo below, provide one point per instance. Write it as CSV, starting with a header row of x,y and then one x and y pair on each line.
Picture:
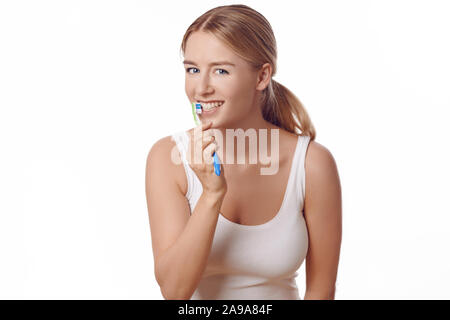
x,y
321,172
319,160
160,150
164,157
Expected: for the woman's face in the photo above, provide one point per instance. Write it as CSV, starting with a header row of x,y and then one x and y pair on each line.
x,y
235,84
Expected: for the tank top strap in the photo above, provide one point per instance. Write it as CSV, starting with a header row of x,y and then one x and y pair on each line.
x,y
296,192
194,186
299,184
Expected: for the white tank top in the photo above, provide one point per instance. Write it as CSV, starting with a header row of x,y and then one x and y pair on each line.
x,y
254,262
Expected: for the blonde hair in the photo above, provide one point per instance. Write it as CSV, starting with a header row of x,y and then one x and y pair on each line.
x,y
251,37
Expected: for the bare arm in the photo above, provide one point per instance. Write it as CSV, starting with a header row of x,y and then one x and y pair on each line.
x,y
181,243
323,214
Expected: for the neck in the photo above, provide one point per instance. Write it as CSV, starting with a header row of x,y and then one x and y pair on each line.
x,y
244,140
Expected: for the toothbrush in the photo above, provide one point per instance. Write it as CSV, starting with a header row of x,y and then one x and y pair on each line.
x,y
197,109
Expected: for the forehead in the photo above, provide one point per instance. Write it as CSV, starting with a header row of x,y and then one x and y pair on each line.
x,y
203,48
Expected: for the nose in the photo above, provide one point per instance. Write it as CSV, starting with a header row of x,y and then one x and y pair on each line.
x,y
204,86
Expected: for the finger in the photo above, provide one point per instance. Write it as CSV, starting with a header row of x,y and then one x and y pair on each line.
x,y
208,133
201,130
207,141
201,127
208,154
210,149
206,125
199,147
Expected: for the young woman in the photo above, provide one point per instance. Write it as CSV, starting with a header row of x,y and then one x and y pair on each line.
x,y
242,234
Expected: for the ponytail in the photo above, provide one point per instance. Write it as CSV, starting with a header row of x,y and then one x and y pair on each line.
x,y
283,109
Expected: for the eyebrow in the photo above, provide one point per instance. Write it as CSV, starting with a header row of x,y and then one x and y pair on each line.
x,y
218,63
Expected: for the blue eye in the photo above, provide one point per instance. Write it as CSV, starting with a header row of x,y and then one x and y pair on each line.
x,y
226,72
188,70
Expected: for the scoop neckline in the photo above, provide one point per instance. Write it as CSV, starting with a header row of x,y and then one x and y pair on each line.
x,y
283,203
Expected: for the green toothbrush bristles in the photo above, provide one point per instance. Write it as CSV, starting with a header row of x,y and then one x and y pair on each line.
x,y
194,114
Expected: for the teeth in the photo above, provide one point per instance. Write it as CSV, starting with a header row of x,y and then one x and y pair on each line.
x,y
209,106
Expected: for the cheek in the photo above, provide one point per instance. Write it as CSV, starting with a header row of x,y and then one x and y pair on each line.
x,y
188,88
237,90
241,93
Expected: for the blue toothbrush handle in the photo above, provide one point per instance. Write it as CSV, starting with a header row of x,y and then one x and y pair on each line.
x,y
216,164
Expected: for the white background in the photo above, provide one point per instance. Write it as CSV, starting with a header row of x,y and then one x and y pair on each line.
x,y
86,88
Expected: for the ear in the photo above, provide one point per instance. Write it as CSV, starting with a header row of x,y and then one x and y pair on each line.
x,y
264,76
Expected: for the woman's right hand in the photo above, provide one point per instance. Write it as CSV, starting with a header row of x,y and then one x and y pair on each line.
x,y
200,158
